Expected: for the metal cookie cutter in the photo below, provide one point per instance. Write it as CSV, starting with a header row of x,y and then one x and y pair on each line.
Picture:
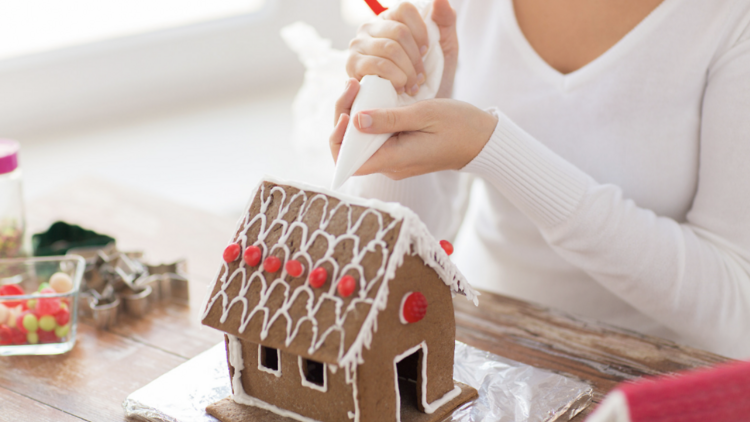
x,y
168,282
118,283
104,307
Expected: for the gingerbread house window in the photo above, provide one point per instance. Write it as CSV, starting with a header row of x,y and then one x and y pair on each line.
x,y
313,374
269,360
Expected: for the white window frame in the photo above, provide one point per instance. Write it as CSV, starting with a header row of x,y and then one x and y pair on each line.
x,y
322,388
263,368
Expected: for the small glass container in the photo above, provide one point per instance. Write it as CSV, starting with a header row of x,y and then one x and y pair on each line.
x,y
12,216
38,303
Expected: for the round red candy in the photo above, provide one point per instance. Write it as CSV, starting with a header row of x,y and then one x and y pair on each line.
x,y
252,256
47,336
47,306
318,277
6,335
415,307
62,316
18,337
11,290
346,286
447,247
231,252
272,264
294,268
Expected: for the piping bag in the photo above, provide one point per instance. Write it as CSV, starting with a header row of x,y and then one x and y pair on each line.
x,y
376,92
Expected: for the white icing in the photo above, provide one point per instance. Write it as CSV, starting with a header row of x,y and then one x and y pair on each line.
x,y
239,396
429,408
401,309
263,368
306,383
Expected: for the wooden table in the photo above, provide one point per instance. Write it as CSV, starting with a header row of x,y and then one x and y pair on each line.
x,y
90,382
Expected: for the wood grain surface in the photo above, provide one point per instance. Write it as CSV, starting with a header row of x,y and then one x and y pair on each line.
x,y
90,382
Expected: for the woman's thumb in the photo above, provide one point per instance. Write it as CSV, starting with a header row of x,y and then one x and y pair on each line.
x,y
388,120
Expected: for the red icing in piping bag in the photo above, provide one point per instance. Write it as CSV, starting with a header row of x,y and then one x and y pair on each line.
x,y
376,6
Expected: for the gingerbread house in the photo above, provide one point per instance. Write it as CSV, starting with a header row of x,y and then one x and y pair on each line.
x,y
335,309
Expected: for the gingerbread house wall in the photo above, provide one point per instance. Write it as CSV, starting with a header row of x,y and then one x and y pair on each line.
x,y
287,390
375,377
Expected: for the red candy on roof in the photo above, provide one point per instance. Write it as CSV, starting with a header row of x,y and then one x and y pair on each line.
x,y
294,268
318,277
272,264
252,256
447,247
231,252
346,286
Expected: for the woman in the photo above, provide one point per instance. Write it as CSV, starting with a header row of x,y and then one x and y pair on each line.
x,y
613,143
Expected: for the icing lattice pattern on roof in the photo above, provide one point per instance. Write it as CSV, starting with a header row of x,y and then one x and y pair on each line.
x,y
283,217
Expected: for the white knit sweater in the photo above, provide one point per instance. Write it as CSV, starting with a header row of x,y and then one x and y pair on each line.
x,y
619,192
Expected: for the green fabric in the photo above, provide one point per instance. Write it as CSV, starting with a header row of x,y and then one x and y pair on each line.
x,y
61,236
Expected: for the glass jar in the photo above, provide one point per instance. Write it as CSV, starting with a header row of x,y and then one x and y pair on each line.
x,y
12,216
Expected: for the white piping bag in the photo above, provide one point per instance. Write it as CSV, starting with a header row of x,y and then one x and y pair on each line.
x,y
375,92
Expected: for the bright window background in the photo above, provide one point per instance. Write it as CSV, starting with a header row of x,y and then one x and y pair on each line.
x,y
33,26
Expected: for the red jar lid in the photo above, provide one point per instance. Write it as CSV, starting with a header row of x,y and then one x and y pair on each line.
x,y
8,155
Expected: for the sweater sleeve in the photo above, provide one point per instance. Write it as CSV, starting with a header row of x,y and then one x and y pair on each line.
x,y
692,276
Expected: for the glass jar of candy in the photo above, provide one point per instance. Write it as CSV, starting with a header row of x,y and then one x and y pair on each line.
x,y
12,217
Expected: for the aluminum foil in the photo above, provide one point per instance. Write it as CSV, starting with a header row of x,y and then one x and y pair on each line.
x,y
508,390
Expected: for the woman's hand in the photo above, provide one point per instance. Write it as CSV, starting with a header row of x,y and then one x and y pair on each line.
x,y
430,135
392,47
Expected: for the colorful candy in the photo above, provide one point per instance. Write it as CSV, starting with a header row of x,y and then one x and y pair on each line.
x,y
39,319
272,264
47,323
63,315
62,330
4,312
28,322
252,256
60,283
294,268
447,247
6,335
11,290
414,307
231,252
11,239
318,277
346,286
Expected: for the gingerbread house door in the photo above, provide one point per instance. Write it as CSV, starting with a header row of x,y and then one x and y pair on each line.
x,y
409,369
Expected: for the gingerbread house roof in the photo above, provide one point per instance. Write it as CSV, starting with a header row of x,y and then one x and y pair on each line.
x,y
366,239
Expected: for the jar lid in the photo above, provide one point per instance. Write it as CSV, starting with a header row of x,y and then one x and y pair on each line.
x,y
8,155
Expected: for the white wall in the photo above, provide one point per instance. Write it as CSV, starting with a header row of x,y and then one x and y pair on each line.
x,y
134,76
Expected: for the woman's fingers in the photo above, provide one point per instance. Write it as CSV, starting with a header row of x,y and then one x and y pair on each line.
x,y
408,14
345,101
361,65
337,137
401,39
403,76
